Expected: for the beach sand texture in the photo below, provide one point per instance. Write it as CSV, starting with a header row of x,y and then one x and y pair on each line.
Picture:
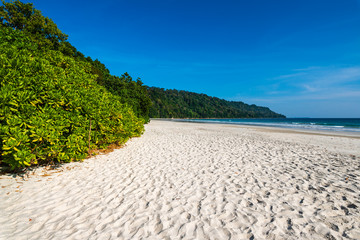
x,y
194,181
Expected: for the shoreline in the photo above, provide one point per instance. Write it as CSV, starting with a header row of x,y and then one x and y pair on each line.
x,y
194,181
274,128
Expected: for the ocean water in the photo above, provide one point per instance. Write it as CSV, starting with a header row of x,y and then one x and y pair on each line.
x,y
326,124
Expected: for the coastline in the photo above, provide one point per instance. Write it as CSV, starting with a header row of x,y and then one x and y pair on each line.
x,y
195,181
272,123
274,128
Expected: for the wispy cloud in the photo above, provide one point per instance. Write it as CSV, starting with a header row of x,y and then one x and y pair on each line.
x,y
292,75
321,80
311,84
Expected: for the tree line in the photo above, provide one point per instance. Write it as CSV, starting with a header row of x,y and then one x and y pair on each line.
x,y
184,104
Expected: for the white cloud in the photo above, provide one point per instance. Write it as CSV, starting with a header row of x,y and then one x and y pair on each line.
x,y
313,84
321,79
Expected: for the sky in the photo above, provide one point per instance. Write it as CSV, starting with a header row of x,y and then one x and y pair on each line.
x,y
300,58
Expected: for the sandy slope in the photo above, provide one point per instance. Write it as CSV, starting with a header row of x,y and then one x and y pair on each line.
x,y
195,181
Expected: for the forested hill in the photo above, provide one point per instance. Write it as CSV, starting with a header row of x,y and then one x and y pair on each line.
x,y
184,104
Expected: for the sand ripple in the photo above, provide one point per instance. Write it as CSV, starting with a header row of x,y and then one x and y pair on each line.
x,y
191,181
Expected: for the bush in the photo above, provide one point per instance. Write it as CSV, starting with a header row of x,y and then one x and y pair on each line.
x,y
46,102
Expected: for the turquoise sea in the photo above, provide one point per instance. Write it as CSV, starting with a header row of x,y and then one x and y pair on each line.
x,y
327,124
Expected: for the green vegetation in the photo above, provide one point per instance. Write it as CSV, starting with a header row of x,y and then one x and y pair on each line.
x,y
133,93
49,93
183,104
56,104
24,17
45,34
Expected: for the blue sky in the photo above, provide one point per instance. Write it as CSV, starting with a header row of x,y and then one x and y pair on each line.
x,y
300,58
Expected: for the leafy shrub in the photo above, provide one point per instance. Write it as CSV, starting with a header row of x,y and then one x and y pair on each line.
x,y
46,102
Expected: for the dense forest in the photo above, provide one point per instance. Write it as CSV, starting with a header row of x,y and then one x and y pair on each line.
x,y
56,105
183,104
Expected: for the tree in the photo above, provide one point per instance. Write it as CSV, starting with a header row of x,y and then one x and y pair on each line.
x,y
24,17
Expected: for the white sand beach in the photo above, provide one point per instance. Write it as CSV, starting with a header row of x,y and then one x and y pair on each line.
x,y
195,181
